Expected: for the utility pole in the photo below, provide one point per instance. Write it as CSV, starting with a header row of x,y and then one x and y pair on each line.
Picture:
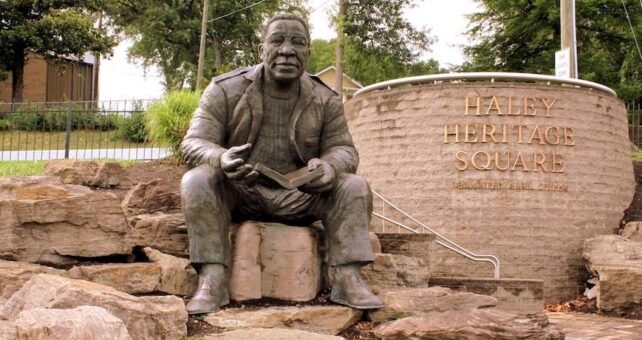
x,y
569,40
201,53
96,70
338,83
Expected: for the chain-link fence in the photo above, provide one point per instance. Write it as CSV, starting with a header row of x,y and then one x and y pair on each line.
x,y
76,130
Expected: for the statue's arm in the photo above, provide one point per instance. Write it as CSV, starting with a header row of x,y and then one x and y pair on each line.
x,y
203,143
337,147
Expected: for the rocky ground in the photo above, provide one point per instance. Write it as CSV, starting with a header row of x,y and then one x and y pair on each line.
x,y
108,246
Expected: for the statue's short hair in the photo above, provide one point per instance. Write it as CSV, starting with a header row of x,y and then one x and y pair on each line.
x,y
286,16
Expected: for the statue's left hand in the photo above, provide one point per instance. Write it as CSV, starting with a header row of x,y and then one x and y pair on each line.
x,y
323,183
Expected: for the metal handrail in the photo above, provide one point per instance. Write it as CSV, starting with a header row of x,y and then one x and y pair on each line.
x,y
492,76
441,240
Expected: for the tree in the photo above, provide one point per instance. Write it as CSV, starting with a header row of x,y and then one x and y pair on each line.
x,y
166,33
523,35
379,44
369,65
379,25
51,28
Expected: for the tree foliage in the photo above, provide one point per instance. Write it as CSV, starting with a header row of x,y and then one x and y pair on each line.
x,y
523,35
367,65
379,25
166,33
380,43
52,28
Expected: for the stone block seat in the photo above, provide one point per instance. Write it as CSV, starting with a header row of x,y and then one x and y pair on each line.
x,y
276,261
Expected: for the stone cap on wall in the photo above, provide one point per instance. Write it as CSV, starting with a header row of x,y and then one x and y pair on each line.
x,y
488,76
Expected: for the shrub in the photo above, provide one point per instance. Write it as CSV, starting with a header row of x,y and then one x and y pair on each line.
x,y
5,124
168,119
34,117
132,128
27,117
105,122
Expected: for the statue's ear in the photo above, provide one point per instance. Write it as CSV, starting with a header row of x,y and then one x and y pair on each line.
x,y
261,49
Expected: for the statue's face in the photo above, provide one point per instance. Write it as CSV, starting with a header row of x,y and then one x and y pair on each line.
x,y
285,50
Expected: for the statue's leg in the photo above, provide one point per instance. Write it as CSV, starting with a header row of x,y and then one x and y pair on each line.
x,y
206,202
346,217
346,212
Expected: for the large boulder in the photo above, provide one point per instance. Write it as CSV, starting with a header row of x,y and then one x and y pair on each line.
x,y
165,232
290,262
177,277
81,323
613,251
317,319
8,330
15,274
620,289
153,210
487,323
46,221
390,271
245,274
275,260
151,197
420,301
270,334
89,173
149,317
617,263
131,278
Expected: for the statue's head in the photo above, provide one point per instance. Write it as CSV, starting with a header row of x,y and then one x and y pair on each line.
x,y
285,47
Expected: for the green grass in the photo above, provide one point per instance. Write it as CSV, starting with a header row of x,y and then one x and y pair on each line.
x,y
21,168
637,155
34,168
14,140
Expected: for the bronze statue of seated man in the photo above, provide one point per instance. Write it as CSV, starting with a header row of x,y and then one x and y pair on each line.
x,y
277,115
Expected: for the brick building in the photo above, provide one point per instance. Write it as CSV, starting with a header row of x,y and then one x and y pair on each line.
x,y
49,80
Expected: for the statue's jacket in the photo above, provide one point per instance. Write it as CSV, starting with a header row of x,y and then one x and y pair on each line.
x,y
230,114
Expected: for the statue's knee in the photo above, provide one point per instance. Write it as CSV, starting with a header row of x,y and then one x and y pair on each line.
x,y
199,178
354,186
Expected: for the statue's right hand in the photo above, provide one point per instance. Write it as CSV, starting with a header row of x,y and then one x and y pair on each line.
x,y
233,164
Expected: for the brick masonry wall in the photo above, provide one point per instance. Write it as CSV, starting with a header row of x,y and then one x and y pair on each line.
x,y
537,234
35,81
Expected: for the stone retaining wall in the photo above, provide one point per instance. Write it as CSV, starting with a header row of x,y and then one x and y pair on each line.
x,y
562,174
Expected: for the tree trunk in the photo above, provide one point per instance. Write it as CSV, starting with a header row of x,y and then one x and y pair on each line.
x,y
338,83
218,55
17,75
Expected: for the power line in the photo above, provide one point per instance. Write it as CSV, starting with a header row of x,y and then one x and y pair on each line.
x,y
632,30
240,10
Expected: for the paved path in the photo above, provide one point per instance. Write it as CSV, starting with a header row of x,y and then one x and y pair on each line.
x,y
592,326
125,154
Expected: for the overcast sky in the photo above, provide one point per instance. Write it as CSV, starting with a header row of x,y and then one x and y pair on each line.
x,y
120,79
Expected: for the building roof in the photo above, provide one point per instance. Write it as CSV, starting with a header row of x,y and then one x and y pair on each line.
x,y
357,84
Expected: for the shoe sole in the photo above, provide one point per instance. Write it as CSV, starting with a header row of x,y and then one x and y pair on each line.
x,y
341,302
207,311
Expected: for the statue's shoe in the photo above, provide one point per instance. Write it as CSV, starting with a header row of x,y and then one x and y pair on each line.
x,y
350,290
210,296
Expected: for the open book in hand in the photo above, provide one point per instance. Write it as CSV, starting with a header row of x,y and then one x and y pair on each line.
x,y
291,180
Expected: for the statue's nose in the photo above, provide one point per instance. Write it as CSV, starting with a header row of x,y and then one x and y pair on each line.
x,y
287,49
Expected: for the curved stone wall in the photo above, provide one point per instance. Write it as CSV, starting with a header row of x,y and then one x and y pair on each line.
x,y
522,171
